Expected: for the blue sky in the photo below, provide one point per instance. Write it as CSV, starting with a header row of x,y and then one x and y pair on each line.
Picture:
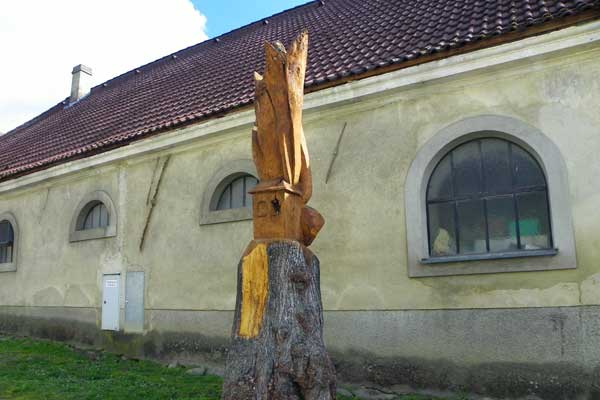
x,y
223,16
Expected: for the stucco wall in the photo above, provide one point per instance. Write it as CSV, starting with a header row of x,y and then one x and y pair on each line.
x,y
363,244
191,267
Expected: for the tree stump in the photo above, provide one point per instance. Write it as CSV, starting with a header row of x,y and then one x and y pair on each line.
x,y
277,349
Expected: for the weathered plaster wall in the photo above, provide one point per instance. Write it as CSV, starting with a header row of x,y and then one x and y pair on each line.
x,y
368,247
525,353
363,244
190,268
51,271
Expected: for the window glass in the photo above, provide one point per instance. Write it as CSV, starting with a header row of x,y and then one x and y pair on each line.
x,y
501,224
250,183
440,185
238,195
471,226
235,194
6,242
442,230
533,221
467,169
496,166
96,217
225,199
526,169
487,196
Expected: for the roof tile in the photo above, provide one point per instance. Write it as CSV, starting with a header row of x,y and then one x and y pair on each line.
x,y
346,37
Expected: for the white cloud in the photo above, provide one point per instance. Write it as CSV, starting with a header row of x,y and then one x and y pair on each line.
x,y
41,41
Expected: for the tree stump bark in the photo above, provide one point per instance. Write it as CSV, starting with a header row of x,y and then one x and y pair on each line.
x,y
277,349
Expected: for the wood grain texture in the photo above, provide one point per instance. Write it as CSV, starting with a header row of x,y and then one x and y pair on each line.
x,y
287,359
311,224
255,282
279,146
277,349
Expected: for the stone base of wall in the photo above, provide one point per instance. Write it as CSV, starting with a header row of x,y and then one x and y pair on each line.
x,y
553,353
71,325
550,353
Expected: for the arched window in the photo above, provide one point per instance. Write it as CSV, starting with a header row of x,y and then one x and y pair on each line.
x,y
7,240
487,196
97,217
225,197
235,194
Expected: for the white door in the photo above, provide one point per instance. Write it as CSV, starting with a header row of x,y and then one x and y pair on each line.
x,y
110,302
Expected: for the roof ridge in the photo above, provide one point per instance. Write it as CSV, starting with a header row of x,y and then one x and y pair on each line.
x,y
27,123
204,42
266,18
210,78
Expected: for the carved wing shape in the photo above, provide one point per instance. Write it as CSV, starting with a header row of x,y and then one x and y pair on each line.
x,y
278,142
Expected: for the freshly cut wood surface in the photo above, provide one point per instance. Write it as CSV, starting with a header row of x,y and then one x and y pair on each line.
x,y
255,280
287,359
279,146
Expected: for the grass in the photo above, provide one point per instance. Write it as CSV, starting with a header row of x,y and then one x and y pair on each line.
x,y
44,370
34,369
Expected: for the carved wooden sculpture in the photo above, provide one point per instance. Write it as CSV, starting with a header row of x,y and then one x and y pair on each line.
x,y
277,349
279,148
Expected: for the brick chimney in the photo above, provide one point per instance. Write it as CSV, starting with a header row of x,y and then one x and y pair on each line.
x,y
81,82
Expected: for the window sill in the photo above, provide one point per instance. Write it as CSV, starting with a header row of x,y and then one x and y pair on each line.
x,y
524,261
90,234
223,216
8,267
490,256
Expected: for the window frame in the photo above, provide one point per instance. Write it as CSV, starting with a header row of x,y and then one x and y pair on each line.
x,y
81,212
92,206
484,195
233,179
548,156
11,266
226,174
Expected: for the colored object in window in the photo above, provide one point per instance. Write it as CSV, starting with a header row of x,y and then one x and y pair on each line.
x,y
487,196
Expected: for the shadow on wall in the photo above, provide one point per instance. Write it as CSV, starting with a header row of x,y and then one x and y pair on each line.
x,y
549,381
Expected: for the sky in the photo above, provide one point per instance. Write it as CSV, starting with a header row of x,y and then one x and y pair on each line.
x,y
226,15
41,41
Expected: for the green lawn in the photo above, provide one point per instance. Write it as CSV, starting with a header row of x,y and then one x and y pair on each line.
x,y
33,369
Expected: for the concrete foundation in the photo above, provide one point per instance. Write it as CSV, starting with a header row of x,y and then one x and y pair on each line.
x,y
551,353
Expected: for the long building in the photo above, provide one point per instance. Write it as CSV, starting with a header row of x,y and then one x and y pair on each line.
x,y
454,149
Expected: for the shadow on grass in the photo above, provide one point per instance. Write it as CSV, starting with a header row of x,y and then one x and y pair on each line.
x,y
35,369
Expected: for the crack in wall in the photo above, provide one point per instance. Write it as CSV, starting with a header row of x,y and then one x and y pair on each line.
x,y
153,190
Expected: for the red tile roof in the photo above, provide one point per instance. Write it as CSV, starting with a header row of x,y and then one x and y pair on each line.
x,y
347,37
